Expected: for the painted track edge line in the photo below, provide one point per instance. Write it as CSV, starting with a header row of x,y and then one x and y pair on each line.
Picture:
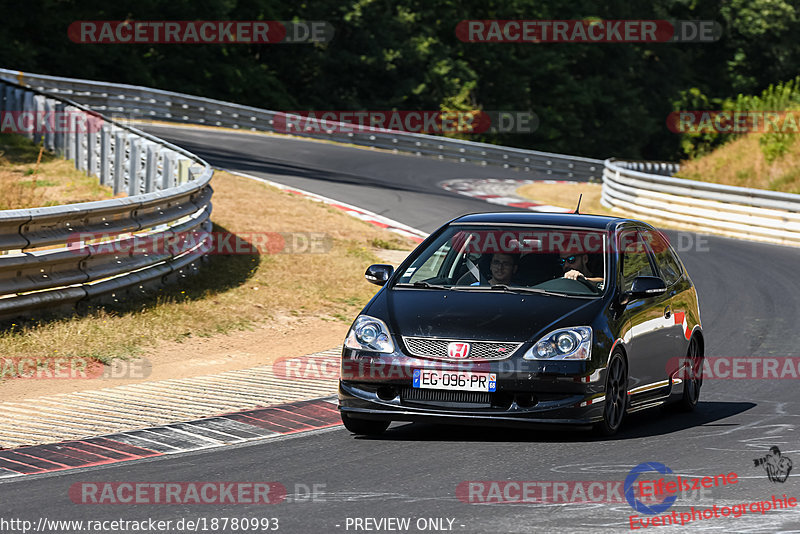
x,y
130,445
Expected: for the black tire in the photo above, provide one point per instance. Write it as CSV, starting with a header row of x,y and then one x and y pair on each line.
x,y
693,377
616,401
364,427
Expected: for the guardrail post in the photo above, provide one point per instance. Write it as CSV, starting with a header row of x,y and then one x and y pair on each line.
x,y
28,107
105,155
195,171
91,155
80,149
59,137
134,164
36,121
168,173
70,135
37,109
151,168
50,129
183,170
9,97
119,162
18,95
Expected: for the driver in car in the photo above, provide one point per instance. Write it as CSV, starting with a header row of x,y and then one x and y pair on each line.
x,y
576,267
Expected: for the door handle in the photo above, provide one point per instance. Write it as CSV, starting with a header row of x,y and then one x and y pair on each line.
x,y
667,312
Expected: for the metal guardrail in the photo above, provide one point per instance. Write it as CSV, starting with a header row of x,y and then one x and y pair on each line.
x,y
44,260
650,167
153,104
641,188
740,212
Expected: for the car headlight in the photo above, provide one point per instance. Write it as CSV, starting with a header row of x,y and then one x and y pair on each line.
x,y
369,333
564,344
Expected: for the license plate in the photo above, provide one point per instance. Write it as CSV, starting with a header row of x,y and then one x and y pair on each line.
x,y
454,380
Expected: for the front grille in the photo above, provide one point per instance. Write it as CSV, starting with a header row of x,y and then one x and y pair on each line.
x,y
479,350
438,395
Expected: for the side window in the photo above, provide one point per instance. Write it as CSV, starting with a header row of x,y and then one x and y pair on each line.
x,y
635,260
432,266
668,265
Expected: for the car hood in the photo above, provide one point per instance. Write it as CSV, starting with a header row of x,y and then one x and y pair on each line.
x,y
478,315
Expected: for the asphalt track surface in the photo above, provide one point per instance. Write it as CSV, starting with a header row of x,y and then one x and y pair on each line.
x,y
749,304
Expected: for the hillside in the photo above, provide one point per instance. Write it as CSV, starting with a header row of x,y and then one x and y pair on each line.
x,y
743,163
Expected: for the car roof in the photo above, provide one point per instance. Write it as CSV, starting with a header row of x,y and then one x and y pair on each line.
x,y
556,219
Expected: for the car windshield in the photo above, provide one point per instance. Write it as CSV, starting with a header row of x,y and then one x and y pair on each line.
x,y
562,261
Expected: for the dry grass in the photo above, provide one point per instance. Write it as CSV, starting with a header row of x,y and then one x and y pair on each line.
x,y
56,182
742,163
566,195
231,292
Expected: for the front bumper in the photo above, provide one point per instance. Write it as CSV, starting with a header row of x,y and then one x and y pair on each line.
x,y
528,393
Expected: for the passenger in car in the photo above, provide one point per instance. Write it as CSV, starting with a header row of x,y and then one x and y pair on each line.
x,y
503,267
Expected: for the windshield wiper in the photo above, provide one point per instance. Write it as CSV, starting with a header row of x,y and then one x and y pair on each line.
x,y
422,285
519,289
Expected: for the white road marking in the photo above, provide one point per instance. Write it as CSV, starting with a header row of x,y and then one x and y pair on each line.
x,y
118,409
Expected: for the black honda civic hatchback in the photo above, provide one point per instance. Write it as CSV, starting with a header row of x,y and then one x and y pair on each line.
x,y
525,319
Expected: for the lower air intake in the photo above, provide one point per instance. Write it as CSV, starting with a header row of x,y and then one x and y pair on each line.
x,y
435,395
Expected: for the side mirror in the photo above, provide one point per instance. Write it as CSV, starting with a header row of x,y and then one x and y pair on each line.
x,y
646,286
379,273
